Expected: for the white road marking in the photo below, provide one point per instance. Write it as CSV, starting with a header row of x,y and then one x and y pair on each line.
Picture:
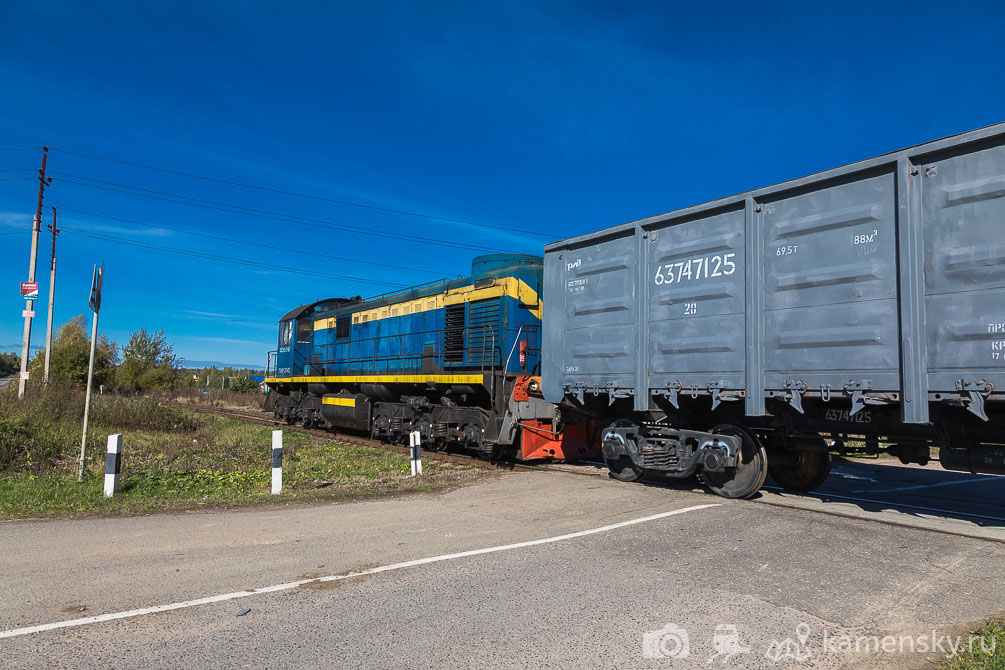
x,y
848,476
83,621
927,486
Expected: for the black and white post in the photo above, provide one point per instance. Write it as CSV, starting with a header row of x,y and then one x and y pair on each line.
x,y
277,462
414,441
113,462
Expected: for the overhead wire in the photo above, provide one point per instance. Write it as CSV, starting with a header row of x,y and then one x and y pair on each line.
x,y
267,214
225,259
348,203
247,243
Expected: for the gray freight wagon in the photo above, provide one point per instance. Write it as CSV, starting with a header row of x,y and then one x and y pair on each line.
x,y
865,304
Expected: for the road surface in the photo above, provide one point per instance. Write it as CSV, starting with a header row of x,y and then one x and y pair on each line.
x,y
538,569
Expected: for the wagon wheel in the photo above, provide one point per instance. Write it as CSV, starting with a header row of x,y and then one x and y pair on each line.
x,y
802,470
744,480
623,468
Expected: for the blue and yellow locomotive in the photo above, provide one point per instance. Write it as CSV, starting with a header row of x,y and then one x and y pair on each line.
x,y
458,361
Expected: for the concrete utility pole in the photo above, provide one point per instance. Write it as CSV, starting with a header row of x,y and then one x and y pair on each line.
x,y
52,296
30,304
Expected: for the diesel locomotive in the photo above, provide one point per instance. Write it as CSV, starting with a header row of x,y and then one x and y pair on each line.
x,y
458,361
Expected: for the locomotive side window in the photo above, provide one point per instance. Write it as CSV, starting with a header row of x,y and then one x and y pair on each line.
x,y
286,333
305,329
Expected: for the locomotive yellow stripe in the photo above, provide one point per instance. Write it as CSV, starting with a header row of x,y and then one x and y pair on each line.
x,y
507,286
387,379
341,402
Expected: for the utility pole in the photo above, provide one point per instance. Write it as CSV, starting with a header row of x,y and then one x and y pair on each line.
x,y
30,303
52,296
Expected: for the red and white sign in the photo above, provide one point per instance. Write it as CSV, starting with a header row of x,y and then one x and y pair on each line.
x,y
29,290
28,313
24,375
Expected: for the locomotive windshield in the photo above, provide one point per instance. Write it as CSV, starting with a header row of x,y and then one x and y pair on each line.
x,y
286,333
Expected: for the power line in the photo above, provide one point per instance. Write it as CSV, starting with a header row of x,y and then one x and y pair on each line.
x,y
279,216
20,148
226,259
251,244
347,203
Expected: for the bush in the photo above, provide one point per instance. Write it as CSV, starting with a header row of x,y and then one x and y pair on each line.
x,y
43,430
124,413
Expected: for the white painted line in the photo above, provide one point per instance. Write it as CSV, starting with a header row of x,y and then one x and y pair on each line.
x,y
928,486
83,621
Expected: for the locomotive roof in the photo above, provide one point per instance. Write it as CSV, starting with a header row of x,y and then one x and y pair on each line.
x,y
498,266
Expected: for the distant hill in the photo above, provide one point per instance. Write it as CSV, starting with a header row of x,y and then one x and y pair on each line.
x,y
199,365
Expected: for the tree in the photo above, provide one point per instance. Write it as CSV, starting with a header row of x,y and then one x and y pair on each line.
x,y
71,352
9,364
148,362
244,385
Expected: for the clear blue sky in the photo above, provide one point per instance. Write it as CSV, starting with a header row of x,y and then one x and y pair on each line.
x,y
555,117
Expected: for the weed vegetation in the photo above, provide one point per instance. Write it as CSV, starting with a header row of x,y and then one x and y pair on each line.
x,y
174,459
988,654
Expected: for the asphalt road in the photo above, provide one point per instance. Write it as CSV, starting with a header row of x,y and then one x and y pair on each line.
x,y
743,580
6,381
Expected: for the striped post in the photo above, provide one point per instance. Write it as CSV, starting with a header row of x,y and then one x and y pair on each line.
x,y
113,461
277,462
414,441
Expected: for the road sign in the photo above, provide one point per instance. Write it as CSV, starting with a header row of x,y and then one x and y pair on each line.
x,y
95,300
29,290
26,313
24,375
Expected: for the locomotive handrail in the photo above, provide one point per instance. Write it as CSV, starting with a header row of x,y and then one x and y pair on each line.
x,y
323,356
364,355
516,340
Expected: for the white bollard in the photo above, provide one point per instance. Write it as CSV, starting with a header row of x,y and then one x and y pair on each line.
x,y
277,462
113,461
414,441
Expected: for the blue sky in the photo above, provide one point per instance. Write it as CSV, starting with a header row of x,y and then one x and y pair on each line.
x,y
554,117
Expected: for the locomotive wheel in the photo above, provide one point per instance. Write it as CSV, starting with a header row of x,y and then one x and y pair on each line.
x,y
748,476
802,470
424,425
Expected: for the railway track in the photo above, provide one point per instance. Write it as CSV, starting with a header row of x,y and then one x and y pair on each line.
x,y
266,419
587,469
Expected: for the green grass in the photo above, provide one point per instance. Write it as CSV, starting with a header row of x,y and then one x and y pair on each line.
x,y
176,460
990,638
